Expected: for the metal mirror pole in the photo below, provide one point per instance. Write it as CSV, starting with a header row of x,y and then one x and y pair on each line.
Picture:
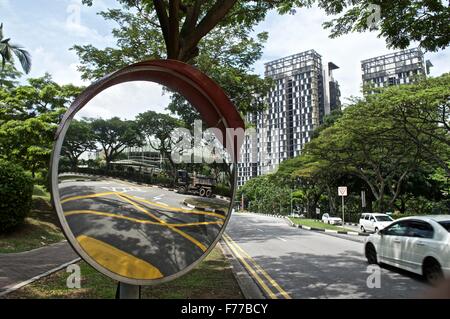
x,y
127,291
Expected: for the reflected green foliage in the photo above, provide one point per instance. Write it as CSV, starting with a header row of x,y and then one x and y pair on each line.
x,y
114,135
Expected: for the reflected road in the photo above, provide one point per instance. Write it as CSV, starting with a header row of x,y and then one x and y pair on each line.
x,y
140,232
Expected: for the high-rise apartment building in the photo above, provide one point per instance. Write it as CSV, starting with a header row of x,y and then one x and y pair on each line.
x,y
304,92
395,68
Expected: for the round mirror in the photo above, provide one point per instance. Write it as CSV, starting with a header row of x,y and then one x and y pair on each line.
x,y
143,171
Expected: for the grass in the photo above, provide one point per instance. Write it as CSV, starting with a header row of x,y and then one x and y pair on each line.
x,y
40,228
213,278
214,203
316,224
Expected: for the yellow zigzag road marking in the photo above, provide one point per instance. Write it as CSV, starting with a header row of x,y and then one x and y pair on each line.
x,y
68,199
260,269
118,261
187,211
141,221
182,233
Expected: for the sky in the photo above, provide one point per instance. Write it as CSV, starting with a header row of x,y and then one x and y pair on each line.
x,y
49,28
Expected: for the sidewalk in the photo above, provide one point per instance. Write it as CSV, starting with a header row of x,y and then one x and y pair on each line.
x,y
18,269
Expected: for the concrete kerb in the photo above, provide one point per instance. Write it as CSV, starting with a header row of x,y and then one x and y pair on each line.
x,y
342,232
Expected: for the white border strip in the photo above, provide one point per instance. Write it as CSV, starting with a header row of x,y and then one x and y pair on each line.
x,y
29,281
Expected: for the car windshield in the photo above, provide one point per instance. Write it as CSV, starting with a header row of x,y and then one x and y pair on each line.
x,y
384,218
446,225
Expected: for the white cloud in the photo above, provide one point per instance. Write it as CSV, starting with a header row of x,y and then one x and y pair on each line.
x,y
290,34
45,60
126,100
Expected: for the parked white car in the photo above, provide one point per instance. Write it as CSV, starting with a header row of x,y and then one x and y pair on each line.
x,y
374,222
326,218
417,244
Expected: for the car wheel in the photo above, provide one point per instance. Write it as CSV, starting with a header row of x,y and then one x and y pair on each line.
x,y
363,229
371,254
432,271
202,192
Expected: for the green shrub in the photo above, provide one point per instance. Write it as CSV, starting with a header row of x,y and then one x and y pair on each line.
x,y
16,190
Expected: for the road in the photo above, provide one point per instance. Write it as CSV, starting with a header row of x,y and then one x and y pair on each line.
x,y
136,231
288,262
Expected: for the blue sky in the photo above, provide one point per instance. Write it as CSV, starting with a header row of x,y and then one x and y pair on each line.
x,y
48,28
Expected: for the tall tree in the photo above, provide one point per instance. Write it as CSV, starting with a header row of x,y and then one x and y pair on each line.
x,y
78,140
399,22
29,115
115,135
226,54
8,50
158,129
365,142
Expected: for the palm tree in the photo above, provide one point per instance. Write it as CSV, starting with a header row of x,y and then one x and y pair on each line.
x,y
7,50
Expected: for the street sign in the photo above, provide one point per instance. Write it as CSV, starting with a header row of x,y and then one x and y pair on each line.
x,y
342,190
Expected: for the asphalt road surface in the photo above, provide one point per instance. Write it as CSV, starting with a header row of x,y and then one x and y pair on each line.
x,y
136,231
289,262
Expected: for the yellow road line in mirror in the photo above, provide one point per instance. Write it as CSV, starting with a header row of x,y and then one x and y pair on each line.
x,y
182,233
250,269
141,221
68,199
187,211
118,261
260,269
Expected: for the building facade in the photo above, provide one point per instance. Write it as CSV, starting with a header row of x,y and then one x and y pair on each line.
x,y
304,92
394,69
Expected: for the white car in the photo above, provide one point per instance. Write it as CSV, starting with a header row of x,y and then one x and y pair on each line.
x,y
326,218
417,244
374,222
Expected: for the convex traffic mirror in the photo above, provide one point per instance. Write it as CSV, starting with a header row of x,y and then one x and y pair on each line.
x,y
143,171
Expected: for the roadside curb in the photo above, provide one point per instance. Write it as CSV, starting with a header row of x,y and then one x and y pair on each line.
x,y
341,232
204,209
246,283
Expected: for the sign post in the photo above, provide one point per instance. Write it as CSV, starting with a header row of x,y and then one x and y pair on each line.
x,y
342,191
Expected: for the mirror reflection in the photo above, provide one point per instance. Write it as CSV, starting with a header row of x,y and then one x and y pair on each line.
x,y
145,187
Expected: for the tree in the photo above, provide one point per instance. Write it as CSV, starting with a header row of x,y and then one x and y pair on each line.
x,y
8,50
40,96
368,143
159,127
226,54
115,135
29,115
29,142
79,139
9,77
400,22
422,110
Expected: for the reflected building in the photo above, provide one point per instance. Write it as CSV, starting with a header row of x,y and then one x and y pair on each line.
x,y
394,69
304,92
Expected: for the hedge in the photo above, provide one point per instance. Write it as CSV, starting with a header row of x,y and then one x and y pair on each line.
x,y
16,190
